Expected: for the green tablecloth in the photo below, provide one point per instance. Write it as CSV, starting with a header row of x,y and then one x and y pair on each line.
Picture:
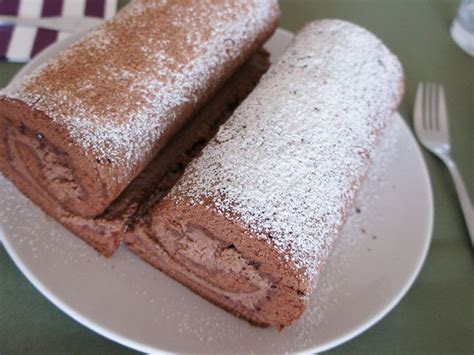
x,y
437,314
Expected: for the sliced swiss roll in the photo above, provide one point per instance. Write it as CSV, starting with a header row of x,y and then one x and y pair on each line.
x,y
252,220
80,128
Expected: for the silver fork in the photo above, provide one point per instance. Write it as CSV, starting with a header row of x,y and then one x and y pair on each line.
x,y
432,129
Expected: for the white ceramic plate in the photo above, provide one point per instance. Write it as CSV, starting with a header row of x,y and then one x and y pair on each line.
x,y
375,261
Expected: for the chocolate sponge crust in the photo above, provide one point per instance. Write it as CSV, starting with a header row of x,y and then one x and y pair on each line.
x,y
106,231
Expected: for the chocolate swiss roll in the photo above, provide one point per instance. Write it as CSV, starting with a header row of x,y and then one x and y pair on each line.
x,y
251,222
106,231
78,130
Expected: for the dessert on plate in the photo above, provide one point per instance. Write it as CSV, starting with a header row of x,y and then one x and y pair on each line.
x,y
116,139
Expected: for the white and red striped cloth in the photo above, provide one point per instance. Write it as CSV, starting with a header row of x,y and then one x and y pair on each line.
x,y
20,44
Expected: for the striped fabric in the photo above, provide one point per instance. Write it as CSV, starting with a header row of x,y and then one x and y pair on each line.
x,y
20,44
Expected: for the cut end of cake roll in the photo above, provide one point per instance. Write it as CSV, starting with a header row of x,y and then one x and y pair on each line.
x,y
216,259
43,161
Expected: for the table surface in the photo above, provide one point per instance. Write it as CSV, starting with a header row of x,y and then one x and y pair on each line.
x,y
437,314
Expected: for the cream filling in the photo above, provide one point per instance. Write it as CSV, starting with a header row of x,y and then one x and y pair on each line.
x,y
38,162
213,264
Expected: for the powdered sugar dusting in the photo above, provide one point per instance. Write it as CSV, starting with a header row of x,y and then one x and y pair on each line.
x,y
120,88
290,160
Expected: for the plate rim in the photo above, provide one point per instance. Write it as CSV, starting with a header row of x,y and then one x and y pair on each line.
x,y
132,344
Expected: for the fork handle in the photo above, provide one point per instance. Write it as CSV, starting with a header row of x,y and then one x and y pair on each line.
x,y
466,204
